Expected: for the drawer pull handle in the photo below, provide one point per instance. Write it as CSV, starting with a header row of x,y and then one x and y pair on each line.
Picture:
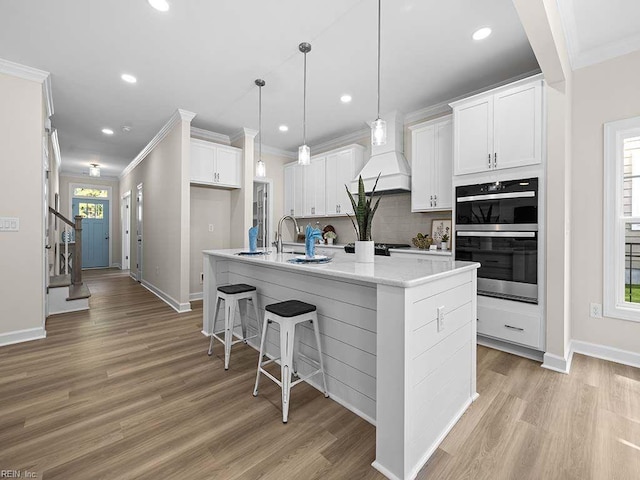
x,y
515,328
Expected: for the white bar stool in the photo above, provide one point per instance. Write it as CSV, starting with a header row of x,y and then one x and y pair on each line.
x,y
232,296
289,314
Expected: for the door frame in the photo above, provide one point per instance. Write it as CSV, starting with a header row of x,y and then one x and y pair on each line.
x,y
139,232
269,183
72,197
125,218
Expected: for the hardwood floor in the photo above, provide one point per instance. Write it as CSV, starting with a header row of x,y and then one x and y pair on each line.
x,y
127,390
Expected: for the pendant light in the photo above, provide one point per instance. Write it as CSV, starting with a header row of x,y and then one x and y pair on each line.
x,y
261,170
379,127
304,152
94,170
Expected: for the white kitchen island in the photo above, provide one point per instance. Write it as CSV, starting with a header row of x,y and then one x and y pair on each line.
x,y
398,339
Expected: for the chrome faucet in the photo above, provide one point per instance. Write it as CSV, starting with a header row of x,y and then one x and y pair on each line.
x,y
278,242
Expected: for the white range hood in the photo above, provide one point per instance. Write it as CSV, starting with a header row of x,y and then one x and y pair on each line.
x,y
388,161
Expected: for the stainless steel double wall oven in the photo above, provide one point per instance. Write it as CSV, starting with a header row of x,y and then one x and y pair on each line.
x,y
497,226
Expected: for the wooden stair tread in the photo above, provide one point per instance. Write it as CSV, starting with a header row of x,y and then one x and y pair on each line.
x,y
78,292
57,281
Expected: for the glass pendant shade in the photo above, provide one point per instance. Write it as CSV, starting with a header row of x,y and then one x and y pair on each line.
x,y
379,132
304,155
94,170
261,170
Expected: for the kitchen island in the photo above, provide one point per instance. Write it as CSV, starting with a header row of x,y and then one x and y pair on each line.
x,y
398,339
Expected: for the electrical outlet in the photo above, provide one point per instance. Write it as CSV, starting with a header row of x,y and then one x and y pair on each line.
x,y
201,278
595,310
211,227
441,318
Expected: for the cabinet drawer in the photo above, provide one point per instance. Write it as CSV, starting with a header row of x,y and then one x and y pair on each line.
x,y
509,324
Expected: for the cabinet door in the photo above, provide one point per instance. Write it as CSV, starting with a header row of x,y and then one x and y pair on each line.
x,y
318,185
443,178
518,126
346,174
228,167
298,190
289,190
473,148
332,181
202,163
423,152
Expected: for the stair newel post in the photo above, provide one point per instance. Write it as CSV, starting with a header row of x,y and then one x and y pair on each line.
x,y
77,260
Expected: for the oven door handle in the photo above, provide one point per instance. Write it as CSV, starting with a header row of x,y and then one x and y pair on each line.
x,y
497,234
497,196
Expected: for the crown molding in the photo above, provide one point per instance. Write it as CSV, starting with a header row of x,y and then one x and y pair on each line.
x,y
243,133
48,95
210,136
427,112
82,175
342,140
22,71
177,117
277,151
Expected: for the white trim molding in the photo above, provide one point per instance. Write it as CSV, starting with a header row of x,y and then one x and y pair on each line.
x,y
48,95
278,151
341,141
558,363
20,336
210,136
166,298
22,71
611,354
195,297
243,133
178,116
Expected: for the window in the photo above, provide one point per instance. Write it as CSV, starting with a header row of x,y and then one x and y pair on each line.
x,y
91,210
622,220
90,192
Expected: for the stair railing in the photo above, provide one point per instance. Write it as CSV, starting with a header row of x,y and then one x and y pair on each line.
x,y
76,271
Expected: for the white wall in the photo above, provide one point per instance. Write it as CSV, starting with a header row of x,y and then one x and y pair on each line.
x,y
22,256
166,213
601,93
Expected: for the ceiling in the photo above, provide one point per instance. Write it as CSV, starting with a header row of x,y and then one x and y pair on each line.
x,y
598,30
204,56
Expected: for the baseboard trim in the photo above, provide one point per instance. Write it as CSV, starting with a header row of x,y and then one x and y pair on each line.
x,y
603,352
116,265
21,336
384,471
557,363
133,277
196,296
521,351
166,298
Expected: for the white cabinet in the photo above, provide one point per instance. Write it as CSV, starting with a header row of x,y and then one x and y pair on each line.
x,y
432,165
499,129
341,168
314,187
215,165
318,189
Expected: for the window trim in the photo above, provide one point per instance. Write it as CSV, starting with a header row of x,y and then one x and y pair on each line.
x,y
614,220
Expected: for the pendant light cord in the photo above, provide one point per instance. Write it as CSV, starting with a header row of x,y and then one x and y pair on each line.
x,y
304,103
379,8
260,122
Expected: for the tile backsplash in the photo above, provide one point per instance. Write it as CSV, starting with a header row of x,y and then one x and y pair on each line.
x,y
393,223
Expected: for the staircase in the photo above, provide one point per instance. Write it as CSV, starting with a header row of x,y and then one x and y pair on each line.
x,y
65,290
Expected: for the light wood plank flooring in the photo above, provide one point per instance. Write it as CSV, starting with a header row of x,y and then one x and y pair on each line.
x,y
126,390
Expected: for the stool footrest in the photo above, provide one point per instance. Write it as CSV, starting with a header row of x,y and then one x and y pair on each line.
x,y
302,379
262,364
240,339
271,377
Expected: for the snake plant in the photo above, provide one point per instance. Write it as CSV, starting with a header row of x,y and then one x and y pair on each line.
x,y
363,211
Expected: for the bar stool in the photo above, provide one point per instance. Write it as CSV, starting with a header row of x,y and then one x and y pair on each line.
x,y
232,295
289,314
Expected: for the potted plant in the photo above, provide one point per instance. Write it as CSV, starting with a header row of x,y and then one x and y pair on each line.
x,y
364,214
445,241
330,236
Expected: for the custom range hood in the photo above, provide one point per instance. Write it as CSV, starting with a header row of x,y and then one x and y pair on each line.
x,y
388,161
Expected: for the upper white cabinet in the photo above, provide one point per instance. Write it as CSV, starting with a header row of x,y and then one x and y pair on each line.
x,y
432,165
498,129
318,189
215,165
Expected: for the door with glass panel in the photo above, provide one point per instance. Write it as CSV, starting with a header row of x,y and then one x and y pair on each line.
x,y
95,231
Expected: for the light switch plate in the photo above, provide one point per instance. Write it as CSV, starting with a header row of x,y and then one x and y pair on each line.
x,y
9,224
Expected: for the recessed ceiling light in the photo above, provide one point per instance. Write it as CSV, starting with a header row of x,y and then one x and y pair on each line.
x,y
128,78
283,128
160,5
345,98
481,33
107,131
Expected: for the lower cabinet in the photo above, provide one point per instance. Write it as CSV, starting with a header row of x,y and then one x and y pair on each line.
x,y
510,321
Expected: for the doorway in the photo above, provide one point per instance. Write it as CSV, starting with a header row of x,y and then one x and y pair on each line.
x,y
263,210
126,226
139,234
95,231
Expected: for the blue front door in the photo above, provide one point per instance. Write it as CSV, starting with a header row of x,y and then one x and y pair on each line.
x,y
95,231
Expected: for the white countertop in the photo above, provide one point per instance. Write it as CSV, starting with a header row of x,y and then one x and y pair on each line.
x,y
397,271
